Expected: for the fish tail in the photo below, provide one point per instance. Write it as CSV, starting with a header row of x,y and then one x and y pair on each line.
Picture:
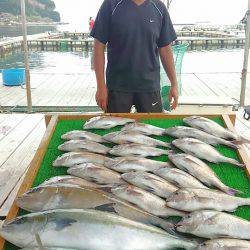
x,y
235,162
234,144
167,145
246,201
231,191
166,225
1,225
241,141
169,152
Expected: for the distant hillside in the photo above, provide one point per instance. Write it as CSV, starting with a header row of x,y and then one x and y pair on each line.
x,y
34,8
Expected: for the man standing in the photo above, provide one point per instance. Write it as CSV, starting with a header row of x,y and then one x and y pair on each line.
x,y
137,32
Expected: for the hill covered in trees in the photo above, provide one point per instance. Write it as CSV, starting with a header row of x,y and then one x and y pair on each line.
x,y
34,8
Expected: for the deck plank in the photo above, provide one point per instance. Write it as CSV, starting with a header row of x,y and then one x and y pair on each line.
x,y
10,124
3,117
4,210
16,164
11,142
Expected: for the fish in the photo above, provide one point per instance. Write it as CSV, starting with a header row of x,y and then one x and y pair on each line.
x,y
88,229
83,146
83,135
75,158
122,137
178,177
185,132
224,244
106,122
203,151
193,199
61,196
145,201
130,163
70,180
96,173
213,224
201,171
214,128
143,128
134,149
150,183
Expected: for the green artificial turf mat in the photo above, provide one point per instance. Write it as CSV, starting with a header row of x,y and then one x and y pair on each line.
x,y
232,176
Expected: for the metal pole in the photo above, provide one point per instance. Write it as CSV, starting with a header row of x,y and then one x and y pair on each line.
x,y
246,58
26,57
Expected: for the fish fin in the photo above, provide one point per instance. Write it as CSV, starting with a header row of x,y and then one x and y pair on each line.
x,y
63,223
203,199
149,189
105,188
174,183
167,226
151,178
212,220
109,207
189,160
219,236
93,179
134,192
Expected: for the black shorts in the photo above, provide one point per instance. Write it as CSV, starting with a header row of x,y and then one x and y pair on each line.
x,y
144,102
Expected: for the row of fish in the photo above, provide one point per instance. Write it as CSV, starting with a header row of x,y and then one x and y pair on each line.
x,y
188,145
198,124
201,123
190,172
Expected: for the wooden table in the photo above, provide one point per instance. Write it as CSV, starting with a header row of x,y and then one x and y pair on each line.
x,y
52,120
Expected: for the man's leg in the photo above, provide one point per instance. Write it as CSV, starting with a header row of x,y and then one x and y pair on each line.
x,y
148,102
120,102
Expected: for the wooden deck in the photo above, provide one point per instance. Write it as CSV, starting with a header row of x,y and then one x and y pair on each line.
x,y
79,89
20,135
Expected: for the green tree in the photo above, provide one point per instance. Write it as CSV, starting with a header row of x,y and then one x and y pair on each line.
x,y
13,7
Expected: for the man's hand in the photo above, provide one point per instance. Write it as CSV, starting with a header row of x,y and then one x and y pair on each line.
x,y
102,97
173,97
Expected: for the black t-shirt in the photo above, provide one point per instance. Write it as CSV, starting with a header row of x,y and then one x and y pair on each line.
x,y
134,34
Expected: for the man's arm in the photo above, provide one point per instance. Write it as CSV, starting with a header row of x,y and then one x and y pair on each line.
x,y
99,65
167,60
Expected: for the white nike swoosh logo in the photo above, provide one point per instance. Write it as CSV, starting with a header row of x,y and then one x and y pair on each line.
x,y
153,104
151,21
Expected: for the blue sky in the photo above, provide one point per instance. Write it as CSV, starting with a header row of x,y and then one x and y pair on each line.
x,y
77,12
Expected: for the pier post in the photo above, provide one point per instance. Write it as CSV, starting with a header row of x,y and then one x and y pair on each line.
x,y
245,65
26,57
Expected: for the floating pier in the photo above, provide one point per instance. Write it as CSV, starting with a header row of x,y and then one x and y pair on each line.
x,y
70,41
17,42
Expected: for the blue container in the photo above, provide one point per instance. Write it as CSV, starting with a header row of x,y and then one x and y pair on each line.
x,y
13,77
